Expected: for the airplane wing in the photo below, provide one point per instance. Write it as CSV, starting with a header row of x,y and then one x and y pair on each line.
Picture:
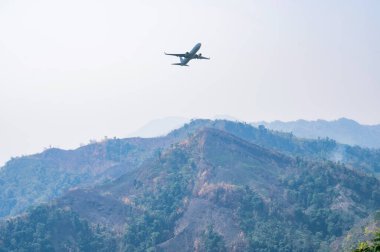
x,y
201,57
176,54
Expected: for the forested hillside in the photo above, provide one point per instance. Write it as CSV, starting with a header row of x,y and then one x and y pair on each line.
x,y
209,189
29,180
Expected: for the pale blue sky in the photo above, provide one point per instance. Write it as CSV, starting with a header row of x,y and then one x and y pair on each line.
x,y
76,70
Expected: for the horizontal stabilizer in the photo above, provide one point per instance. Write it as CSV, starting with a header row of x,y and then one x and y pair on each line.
x,y
179,64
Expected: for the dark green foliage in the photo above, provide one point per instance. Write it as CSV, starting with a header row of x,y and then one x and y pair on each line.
x,y
163,207
370,246
311,193
263,227
49,229
315,189
211,241
251,206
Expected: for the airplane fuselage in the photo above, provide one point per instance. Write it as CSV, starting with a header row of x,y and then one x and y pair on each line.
x,y
191,55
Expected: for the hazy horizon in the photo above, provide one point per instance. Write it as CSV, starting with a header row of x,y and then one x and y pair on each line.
x,y
138,132
78,70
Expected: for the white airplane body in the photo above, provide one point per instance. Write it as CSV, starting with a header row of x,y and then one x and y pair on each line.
x,y
186,57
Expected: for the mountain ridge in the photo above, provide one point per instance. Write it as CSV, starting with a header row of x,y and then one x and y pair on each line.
x,y
42,177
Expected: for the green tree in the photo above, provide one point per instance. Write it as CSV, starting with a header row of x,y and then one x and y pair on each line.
x,y
370,246
211,241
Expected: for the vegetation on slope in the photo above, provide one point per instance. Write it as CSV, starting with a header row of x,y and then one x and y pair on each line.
x,y
49,229
35,179
275,202
39,178
370,246
163,203
211,241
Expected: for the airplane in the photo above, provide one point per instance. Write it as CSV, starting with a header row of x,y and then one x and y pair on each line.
x,y
186,57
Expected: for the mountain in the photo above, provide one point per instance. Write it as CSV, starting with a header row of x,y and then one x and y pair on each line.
x,y
208,190
343,130
163,126
29,180
361,159
160,127
39,178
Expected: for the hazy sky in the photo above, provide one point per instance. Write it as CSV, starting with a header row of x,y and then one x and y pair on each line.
x,y
76,70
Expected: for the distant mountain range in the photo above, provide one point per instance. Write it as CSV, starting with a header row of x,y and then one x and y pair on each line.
x,y
210,185
342,130
163,126
160,127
